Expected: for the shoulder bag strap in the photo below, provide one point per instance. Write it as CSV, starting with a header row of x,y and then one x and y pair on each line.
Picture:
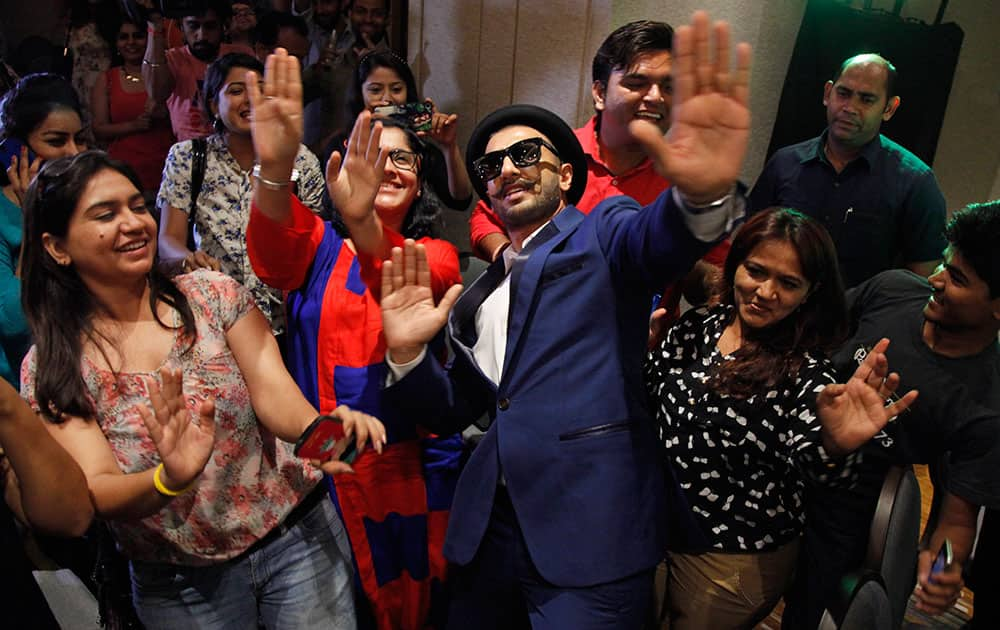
x,y
198,159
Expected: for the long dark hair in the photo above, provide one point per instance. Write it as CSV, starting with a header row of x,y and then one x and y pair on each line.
x,y
773,354
215,78
30,102
58,305
368,64
420,217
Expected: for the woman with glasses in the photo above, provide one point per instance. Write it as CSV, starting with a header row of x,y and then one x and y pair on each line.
x,y
222,207
331,271
171,396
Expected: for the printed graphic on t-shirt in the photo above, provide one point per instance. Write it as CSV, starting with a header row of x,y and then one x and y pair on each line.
x,y
882,436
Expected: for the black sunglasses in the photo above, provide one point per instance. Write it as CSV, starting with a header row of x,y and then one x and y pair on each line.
x,y
525,153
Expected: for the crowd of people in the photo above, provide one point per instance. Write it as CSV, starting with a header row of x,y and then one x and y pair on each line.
x,y
221,232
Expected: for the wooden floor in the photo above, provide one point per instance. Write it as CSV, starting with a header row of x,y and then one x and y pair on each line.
x,y
952,619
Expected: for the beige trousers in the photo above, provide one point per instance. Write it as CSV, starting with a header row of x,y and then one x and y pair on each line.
x,y
718,591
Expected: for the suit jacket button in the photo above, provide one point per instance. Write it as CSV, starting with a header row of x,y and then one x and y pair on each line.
x,y
503,404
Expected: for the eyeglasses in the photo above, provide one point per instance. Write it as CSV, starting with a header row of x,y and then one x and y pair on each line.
x,y
525,153
407,160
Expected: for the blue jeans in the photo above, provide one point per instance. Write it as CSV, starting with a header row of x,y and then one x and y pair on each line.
x,y
300,579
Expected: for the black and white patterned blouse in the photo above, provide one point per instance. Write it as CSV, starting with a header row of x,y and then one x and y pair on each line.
x,y
740,462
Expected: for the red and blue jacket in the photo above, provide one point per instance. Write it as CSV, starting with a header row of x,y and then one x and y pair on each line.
x,y
395,507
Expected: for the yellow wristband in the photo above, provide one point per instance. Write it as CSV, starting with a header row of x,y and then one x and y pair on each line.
x,y
163,489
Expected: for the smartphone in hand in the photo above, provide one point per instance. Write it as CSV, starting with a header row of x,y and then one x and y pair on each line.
x,y
417,115
319,441
943,559
11,147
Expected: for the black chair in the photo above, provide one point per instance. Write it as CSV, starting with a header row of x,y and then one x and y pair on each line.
x,y
894,538
862,604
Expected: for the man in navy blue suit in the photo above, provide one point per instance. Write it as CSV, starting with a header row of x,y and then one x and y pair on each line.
x,y
559,516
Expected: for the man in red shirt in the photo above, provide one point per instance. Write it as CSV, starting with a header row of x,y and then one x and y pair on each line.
x,y
175,76
632,81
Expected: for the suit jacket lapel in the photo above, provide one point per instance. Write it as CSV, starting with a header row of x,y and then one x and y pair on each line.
x,y
462,320
525,284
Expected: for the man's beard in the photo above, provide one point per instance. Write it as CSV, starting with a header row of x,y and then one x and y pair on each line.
x,y
204,52
542,207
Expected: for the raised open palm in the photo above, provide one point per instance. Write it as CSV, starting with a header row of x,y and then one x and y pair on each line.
x,y
854,412
710,119
276,109
410,318
352,179
185,443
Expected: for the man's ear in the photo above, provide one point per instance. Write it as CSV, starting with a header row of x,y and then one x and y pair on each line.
x,y
826,93
890,108
54,247
597,90
565,176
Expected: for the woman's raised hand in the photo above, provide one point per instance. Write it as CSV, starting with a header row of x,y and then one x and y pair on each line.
x,y
184,442
353,179
410,319
853,412
276,109
444,127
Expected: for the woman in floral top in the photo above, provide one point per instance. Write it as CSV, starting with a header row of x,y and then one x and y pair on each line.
x,y
747,408
223,207
216,535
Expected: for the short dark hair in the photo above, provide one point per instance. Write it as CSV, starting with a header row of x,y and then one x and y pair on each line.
x,y
627,42
215,78
975,231
223,9
890,78
269,28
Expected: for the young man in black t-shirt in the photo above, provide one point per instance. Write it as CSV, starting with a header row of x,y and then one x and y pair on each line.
x,y
944,344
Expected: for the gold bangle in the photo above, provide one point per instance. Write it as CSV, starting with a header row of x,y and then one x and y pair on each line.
x,y
163,489
153,65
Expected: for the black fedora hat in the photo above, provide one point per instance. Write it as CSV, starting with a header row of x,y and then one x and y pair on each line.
x,y
552,126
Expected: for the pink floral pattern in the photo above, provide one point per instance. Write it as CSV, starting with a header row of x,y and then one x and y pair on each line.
x,y
252,480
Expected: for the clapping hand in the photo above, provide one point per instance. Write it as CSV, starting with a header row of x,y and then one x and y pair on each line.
x,y
184,442
853,412
409,317
276,110
703,151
